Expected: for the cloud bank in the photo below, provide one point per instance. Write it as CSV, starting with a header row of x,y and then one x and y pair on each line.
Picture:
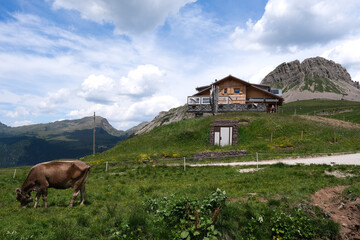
x,y
288,25
129,17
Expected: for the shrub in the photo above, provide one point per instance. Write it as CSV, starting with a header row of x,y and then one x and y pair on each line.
x,y
188,218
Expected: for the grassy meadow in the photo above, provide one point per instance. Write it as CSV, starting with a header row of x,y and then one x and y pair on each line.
x,y
258,205
141,198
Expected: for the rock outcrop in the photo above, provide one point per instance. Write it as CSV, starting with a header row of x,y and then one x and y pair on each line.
x,y
288,73
322,67
313,78
164,118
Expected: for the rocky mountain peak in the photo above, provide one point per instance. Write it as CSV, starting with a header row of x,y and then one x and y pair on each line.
x,y
322,67
286,72
313,78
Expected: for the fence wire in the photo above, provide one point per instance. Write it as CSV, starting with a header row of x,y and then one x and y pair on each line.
x,y
179,161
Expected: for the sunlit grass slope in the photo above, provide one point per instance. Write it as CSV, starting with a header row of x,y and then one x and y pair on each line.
x,y
338,109
270,135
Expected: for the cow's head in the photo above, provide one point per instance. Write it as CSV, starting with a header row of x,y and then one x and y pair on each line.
x,y
22,197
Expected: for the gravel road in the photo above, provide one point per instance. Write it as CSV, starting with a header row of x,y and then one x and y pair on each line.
x,y
346,159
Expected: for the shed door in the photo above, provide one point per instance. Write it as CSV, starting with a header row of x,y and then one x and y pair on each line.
x,y
217,138
225,136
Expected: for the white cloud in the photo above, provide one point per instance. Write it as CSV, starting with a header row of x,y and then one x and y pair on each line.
x,y
8,97
22,123
98,89
256,78
144,80
150,107
288,24
133,98
129,17
54,100
18,112
346,52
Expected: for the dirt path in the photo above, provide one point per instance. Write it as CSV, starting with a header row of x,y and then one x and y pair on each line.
x,y
331,121
345,159
345,212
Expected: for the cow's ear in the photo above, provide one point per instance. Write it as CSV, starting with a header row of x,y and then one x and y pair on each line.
x,y
18,191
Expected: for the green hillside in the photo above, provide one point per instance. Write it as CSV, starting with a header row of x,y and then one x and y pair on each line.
x,y
337,109
182,139
20,150
32,144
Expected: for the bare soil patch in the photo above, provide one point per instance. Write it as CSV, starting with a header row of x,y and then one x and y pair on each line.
x,y
247,170
330,121
334,112
244,199
341,210
339,174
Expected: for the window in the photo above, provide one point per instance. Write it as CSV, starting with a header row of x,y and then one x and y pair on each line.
x,y
237,90
193,100
205,100
225,90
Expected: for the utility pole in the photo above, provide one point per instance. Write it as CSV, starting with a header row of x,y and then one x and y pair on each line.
x,y
94,136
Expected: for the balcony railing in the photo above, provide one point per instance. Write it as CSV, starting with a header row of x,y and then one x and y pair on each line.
x,y
198,100
223,100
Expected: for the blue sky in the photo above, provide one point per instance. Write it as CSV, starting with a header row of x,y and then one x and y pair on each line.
x,y
129,60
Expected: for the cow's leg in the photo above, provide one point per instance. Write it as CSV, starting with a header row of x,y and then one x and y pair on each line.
x,y
75,194
38,194
83,192
44,197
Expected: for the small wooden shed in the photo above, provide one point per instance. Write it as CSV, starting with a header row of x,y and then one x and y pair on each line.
x,y
224,132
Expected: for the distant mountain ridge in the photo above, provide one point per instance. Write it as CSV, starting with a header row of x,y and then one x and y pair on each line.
x,y
46,130
313,78
28,145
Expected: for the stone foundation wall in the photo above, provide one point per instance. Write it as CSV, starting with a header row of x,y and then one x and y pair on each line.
x,y
261,107
221,154
200,108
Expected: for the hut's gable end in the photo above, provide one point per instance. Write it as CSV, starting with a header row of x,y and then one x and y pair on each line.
x,y
231,87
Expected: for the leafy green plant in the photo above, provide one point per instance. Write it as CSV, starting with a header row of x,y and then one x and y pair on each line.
x,y
189,218
293,225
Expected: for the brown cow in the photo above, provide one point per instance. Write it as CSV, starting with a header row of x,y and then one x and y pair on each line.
x,y
56,174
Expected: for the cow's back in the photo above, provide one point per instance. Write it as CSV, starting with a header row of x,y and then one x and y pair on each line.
x,y
63,174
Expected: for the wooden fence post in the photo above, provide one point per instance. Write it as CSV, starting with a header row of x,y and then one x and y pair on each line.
x,y
184,164
106,166
14,173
